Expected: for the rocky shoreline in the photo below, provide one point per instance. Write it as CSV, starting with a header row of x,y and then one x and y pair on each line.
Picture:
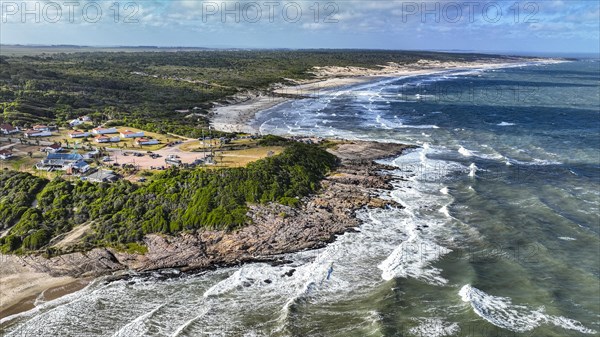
x,y
275,229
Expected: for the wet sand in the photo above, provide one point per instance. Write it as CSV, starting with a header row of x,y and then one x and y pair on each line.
x,y
27,303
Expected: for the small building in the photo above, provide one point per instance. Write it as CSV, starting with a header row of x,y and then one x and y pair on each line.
x,y
102,176
104,131
132,134
92,154
41,127
106,139
59,161
36,133
79,134
8,129
80,166
54,148
79,120
5,154
75,122
146,141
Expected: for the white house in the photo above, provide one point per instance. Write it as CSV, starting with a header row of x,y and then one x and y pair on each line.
x,y
79,121
102,176
104,131
146,141
8,129
79,134
132,134
92,154
5,154
35,133
59,161
75,122
106,139
80,166
41,127
54,148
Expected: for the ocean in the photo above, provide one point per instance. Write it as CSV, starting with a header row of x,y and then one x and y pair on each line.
x,y
499,234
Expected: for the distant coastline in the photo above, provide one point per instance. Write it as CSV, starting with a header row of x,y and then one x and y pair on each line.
x,y
236,114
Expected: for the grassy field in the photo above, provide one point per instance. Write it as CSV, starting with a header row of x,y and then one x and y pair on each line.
x,y
240,158
237,144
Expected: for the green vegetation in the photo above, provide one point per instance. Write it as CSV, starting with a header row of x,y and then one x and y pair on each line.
x,y
175,200
144,89
18,191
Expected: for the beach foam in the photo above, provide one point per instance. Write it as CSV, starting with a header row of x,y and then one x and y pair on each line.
x,y
501,312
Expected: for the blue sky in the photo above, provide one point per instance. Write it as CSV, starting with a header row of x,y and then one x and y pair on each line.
x,y
531,26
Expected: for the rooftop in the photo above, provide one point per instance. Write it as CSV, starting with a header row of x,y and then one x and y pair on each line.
x,y
64,156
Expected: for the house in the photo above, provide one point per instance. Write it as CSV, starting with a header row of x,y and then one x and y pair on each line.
x,y
79,121
102,176
5,154
80,167
106,139
36,133
75,122
41,127
54,148
146,141
8,129
59,161
104,131
92,154
132,134
79,134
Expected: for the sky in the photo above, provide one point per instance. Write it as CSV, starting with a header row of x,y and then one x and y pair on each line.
x,y
548,26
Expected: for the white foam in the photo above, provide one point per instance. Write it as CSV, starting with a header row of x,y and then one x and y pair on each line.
x,y
472,170
182,328
444,210
137,327
444,190
501,312
414,258
567,238
505,124
533,162
465,152
434,327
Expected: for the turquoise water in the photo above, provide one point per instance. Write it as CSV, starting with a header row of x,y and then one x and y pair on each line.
x,y
499,236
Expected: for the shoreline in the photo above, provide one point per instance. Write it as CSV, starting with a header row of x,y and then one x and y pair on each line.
x,y
237,115
49,293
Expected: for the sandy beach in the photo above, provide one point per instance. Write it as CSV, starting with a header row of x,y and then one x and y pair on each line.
x,y
21,285
235,117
